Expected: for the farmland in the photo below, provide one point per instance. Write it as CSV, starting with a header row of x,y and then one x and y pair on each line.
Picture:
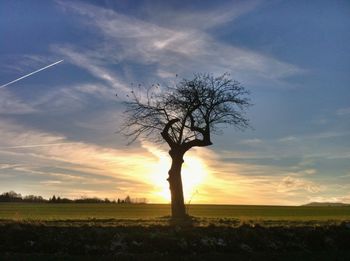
x,y
144,232
49,211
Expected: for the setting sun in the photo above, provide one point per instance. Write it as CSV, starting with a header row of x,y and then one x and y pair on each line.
x,y
194,174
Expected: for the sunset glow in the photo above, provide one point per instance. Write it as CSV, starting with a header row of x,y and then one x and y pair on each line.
x,y
174,130
59,124
194,175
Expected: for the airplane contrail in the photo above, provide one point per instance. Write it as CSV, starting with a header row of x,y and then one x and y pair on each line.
x,y
29,74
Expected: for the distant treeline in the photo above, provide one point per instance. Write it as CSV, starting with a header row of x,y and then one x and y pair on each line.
x,y
12,196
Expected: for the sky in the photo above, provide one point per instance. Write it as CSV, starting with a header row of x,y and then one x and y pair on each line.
x,y
58,126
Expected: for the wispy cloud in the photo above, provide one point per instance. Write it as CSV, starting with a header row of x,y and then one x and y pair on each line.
x,y
80,168
291,184
35,145
66,99
343,111
288,139
4,166
175,48
95,166
10,104
184,16
86,62
24,63
252,142
332,199
91,167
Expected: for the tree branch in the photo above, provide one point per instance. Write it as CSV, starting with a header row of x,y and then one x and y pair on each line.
x,y
165,132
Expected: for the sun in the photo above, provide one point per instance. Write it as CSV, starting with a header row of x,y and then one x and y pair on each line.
x,y
194,174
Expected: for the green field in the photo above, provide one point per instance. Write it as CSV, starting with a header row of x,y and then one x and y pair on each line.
x,y
74,211
46,231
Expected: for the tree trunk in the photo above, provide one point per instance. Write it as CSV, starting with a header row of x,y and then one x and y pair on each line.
x,y
175,183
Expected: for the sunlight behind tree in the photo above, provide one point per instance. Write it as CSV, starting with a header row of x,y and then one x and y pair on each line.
x,y
186,116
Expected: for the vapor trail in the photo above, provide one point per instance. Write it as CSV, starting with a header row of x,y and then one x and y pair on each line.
x,y
25,76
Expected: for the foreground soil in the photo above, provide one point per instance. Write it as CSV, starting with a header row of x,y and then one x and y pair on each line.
x,y
113,241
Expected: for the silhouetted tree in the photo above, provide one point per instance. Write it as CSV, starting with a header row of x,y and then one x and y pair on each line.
x,y
10,196
53,199
127,199
34,199
184,117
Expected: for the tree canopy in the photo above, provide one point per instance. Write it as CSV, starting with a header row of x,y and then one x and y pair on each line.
x,y
187,114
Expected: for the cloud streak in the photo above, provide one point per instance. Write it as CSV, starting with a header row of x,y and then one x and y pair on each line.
x,y
172,48
98,167
36,145
86,62
12,105
81,168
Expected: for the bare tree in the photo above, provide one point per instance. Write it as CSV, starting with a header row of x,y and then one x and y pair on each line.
x,y
184,117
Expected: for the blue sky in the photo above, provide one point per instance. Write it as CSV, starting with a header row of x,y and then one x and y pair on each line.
x,y
58,126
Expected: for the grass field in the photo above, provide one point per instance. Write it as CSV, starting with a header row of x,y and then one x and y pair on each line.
x,y
45,211
143,232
